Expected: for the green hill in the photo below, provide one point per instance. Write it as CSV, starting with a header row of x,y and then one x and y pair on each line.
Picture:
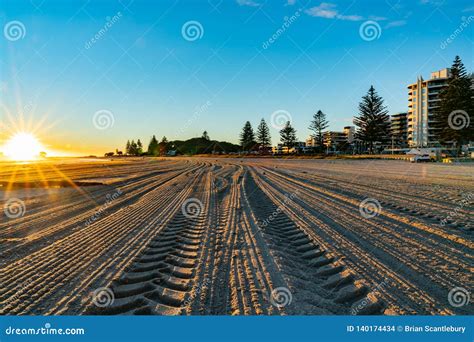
x,y
202,146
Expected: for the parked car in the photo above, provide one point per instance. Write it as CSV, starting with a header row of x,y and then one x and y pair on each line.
x,y
420,158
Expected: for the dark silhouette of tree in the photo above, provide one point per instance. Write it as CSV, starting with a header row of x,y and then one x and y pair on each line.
x,y
263,135
127,147
247,137
288,135
205,136
454,121
133,148
153,147
163,146
139,148
318,125
373,121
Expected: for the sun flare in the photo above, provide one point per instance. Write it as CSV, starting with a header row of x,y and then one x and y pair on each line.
x,y
23,146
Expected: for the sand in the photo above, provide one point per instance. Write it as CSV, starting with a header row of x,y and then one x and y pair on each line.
x,y
204,236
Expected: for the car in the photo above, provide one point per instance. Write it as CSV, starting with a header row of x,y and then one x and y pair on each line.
x,y
420,158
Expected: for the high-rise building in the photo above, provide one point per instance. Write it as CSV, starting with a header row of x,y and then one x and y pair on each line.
x,y
423,99
334,139
311,142
399,130
349,131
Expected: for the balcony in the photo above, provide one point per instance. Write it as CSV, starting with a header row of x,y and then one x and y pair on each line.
x,y
436,85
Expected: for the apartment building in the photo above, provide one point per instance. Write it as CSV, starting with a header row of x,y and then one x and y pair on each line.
x,y
423,99
311,142
334,139
399,130
349,131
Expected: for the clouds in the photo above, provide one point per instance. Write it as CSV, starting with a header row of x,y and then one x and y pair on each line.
x,y
432,2
329,11
250,3
396,23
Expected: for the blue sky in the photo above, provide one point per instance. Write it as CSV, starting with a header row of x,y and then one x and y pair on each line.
x,y
154,77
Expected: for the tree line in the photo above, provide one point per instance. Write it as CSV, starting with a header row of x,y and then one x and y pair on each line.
x,y
373,121
372,124
133,148
154,148
197,145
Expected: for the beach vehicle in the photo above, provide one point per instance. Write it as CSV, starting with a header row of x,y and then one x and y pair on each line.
x,y
420,158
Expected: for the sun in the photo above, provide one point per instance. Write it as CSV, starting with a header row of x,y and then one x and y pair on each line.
x,y
23,146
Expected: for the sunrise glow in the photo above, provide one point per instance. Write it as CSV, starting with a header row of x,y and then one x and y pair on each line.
x,y
23,146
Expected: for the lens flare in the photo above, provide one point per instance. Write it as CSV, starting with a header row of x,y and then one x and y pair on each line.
x,y
23,146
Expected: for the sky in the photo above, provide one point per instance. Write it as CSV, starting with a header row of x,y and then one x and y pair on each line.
x,y
85,76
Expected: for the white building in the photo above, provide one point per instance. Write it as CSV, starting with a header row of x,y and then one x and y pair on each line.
x,y
423,99
349,131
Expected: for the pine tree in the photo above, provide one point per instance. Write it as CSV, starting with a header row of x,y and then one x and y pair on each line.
x,y
288,135
247,137
139,148
127,147
318,125
153,146
163,146
373,121
205,136
133,148
454,116
263,135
